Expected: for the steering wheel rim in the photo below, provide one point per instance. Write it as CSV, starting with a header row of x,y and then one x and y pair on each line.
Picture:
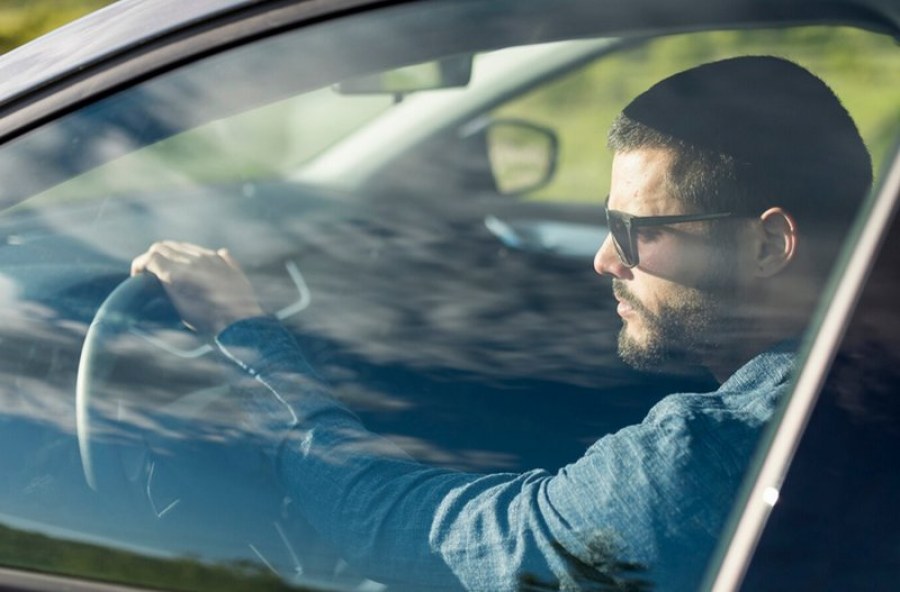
x,y
101,458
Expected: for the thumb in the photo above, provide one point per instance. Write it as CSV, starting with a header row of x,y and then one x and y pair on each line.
x,y
226,256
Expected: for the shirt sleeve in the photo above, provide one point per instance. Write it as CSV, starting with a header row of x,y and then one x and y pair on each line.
x,y
623,514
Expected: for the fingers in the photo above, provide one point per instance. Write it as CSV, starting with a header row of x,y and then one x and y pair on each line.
x,y
207,287
172,252
163,257
188,249
226,256
139,263
157,260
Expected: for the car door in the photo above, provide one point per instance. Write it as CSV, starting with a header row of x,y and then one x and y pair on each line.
x,y
823,508
460,319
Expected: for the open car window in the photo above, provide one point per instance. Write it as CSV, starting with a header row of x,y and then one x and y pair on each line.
x,y
429,252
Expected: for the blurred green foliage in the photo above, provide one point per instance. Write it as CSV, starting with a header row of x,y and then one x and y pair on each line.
x,y
23,20
863,68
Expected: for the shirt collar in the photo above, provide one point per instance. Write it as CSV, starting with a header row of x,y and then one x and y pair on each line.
x,y
771,368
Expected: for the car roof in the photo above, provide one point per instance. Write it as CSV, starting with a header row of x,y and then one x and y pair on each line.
x,y
130,23
164,33
99,35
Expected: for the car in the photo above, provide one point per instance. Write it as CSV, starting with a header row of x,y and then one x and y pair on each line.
x,y
415,190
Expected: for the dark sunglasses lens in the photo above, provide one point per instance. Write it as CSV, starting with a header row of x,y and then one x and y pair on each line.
x,y
621,239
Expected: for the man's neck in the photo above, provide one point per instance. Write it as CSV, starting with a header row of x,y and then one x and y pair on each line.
x,y
723,362
767,318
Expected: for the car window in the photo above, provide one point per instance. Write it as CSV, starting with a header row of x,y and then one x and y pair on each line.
x,y
262,143
581,105
837,500
436,396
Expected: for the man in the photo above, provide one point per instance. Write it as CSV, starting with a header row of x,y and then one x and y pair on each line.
x,y
733,184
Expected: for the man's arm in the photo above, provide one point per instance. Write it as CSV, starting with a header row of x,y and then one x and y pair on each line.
x,y
386,513
654,492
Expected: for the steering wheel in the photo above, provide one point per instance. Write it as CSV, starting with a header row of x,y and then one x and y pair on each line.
x,y
105,437
99,408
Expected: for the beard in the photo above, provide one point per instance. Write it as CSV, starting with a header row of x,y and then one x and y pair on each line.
x,y
690,326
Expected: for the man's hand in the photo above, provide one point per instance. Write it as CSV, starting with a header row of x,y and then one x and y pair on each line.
x,y
207,287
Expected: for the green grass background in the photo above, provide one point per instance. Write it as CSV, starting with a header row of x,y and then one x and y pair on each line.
x,y
23,20
863,68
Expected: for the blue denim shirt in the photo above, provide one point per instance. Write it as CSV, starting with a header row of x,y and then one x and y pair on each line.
x,y
645,504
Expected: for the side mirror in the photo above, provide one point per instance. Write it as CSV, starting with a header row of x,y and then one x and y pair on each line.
x,y
523,155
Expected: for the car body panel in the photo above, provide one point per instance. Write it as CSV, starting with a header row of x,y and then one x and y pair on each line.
x,y
100,36
832,327
167,37
835,525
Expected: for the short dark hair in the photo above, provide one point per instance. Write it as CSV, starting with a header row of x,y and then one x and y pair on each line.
x,y
751,133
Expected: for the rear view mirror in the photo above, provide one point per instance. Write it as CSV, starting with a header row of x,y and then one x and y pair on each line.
x,y
451,72
522,155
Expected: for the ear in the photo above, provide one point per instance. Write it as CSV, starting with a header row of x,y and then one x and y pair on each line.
x,y
778,242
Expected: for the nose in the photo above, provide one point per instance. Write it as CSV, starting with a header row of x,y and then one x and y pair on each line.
x,y
607,262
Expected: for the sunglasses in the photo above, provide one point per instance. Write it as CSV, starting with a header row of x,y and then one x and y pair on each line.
x,y
622,228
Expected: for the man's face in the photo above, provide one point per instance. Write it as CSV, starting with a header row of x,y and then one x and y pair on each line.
x,y
676,304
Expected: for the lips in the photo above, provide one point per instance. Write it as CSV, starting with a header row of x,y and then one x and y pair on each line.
x,y
627,302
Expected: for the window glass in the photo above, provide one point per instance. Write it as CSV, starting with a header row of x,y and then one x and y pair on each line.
x,y
420,378
837,501
580,106
262,143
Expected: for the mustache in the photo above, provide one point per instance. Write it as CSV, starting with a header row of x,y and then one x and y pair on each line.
x,y
621,293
